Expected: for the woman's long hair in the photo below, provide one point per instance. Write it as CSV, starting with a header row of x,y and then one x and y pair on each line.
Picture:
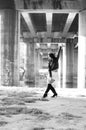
x,y
52,55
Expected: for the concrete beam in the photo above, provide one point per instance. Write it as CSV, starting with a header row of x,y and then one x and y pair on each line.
x,y
28,21
49,23
69,21
49,11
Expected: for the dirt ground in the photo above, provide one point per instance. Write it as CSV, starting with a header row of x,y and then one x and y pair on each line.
x,y
24,109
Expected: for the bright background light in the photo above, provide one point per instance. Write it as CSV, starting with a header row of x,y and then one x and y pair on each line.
x,y
0,50
23,53
81,61
48,45
64,67
38,45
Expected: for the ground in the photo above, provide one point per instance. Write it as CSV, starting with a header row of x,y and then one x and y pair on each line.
x,y
24,109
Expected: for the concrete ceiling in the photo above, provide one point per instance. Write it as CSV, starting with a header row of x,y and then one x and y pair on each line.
x,y
47,25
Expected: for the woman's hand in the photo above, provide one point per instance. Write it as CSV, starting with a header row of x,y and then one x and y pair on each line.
x,y
51,80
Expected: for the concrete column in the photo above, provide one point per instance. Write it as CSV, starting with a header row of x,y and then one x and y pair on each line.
x,y
0,50
36,62
69,62
30,72
75,67
39,60
59,75
9,46
82,50
27,62
64,67
36,67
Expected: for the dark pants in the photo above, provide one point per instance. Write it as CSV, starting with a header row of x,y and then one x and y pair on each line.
x,y
50,87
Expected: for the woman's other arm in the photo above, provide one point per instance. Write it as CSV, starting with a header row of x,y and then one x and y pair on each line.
x,y
57,57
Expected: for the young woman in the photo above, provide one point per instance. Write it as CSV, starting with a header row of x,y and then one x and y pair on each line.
x,y
52,69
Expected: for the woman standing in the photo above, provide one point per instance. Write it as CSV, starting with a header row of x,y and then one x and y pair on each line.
x,y
52,69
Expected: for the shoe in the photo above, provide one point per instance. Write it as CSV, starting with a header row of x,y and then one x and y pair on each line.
x,y
55,95
45,95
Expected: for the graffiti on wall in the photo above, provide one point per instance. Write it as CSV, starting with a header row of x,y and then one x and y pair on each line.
x,y
7,73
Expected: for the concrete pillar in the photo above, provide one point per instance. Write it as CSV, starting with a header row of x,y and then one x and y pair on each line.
x,y
69,62
30,70
36,62
75,66
36,67
39,60
9,47
59,75
0,50
82,50
64,67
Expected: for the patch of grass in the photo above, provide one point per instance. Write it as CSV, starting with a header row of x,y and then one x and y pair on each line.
x,y
26,100
70,129
38,113
84,127
66,129
2,123
8,111
37,128
68,116
2,111
11,101
15,110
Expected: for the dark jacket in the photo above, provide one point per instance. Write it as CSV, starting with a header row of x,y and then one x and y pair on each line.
x,y
53,65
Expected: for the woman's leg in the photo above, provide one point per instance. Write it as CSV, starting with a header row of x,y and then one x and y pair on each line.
x,y
47,90
53,90
50,87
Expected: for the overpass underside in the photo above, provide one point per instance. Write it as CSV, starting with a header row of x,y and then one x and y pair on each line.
x,y
28,33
